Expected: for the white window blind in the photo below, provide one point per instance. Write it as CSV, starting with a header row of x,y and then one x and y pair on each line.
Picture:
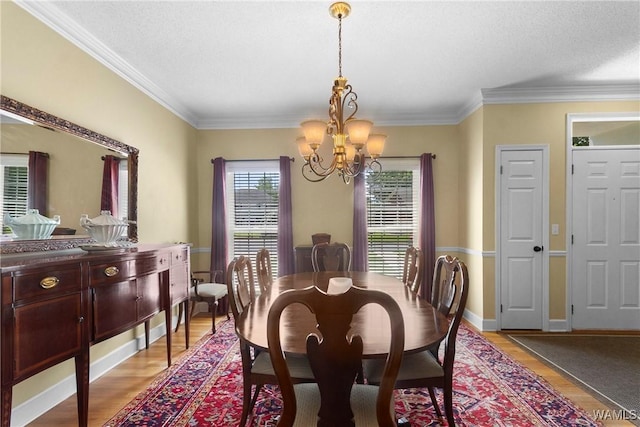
x,y
15,186
123,189
252,207
392,215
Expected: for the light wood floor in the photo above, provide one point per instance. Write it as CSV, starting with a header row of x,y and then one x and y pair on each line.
x,y
109,393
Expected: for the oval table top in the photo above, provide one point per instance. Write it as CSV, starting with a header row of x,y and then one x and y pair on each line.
x,y
423,324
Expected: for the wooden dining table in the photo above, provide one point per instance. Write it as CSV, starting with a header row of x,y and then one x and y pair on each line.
x,y
423,324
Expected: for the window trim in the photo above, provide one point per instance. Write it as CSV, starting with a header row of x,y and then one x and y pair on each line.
x,y
232,168
403,165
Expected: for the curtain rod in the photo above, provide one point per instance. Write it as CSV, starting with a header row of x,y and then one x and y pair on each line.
x,y
433,156
255,160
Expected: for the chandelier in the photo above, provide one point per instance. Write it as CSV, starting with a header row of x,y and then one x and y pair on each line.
x,y
350,135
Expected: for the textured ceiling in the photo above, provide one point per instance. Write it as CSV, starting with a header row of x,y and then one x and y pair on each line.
x,y
241,64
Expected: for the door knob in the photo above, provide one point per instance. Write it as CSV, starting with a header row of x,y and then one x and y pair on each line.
x,y
537,248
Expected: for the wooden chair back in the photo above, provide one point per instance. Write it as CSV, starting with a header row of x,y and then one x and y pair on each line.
x,y
263,270
443,288
459,302
413,270
336,357
240,284
331,257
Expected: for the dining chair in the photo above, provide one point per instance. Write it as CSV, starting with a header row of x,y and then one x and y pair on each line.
x,y
426,368
205,287
257,369
413,269
331,257
263,269
336,399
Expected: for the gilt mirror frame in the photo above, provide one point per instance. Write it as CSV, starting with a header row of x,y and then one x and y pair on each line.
x,y
49,120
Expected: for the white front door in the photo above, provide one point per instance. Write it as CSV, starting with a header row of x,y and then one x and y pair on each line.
x,y
605,288
521,239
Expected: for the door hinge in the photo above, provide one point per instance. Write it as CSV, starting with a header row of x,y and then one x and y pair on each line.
x,y
572,239
500,169
500,308
572,309
572,167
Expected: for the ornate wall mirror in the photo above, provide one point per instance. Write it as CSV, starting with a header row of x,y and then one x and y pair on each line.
x,y
75,169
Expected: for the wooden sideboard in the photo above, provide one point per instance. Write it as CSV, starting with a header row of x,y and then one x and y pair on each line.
x,y
55,305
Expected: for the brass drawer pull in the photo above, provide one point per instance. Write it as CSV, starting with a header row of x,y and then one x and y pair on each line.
x,y
49,282
111,271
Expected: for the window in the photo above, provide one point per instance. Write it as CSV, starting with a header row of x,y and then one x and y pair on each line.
x,y
14,170
392,214
252,206
123,190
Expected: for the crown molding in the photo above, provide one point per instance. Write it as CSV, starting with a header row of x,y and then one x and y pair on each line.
x,y
70,30
573,93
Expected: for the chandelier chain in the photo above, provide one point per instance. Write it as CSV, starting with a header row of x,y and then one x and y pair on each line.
x,y
340,45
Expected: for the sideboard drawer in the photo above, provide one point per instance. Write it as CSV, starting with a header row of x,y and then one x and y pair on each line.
x,y
47,284
145,265
111,272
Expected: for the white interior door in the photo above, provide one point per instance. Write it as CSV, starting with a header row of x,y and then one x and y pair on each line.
x,y
605,288
521,239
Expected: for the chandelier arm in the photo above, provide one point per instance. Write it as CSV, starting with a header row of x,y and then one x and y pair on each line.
x,y
374,168
316,166
311,176
356,166
350,100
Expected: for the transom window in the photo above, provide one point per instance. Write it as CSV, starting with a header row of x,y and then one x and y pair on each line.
x,y
392,214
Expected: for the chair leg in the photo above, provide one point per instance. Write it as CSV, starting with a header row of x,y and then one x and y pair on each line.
x,y
252,404
213,307
180,310
193,309
447,391
246,401
435,405
224,306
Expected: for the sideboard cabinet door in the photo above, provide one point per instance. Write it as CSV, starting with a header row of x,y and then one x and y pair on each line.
x,y
114,308
148,301
47,332
48,317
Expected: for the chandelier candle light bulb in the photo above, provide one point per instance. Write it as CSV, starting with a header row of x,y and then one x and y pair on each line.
x,y
349,135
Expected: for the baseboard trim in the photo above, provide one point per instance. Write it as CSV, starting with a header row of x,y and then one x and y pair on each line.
x,y
31,409
558,325
478,322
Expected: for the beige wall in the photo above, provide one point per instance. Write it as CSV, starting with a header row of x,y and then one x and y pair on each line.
x,y
327,206
42,69
543,123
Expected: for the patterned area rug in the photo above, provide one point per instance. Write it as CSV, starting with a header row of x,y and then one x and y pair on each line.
x,y
204,388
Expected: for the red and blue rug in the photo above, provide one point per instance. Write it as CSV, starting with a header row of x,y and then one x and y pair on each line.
x,y
204,388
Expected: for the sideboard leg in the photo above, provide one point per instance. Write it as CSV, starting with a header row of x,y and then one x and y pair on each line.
x,y
146,334
187,321
82,386
167,321
6,405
